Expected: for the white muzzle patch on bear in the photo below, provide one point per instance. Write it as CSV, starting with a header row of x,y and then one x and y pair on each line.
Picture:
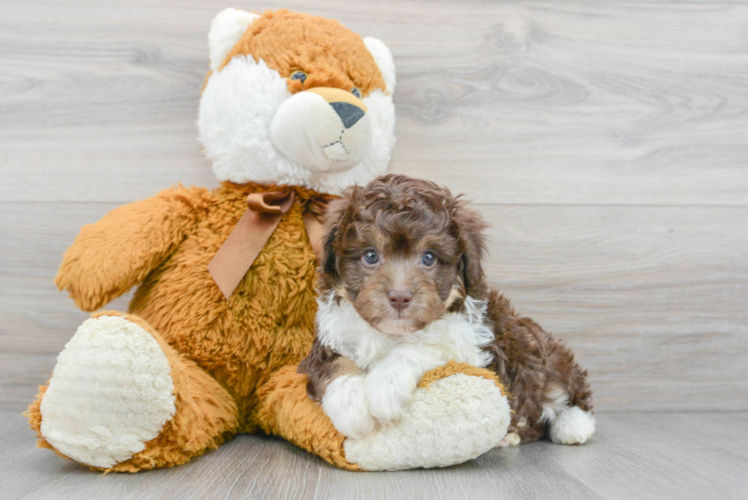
x,y
323,129
254,130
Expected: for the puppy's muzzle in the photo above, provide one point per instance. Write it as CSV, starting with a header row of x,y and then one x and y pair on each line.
x,y
323,129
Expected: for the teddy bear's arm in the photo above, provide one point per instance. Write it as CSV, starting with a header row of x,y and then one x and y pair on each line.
x,y
110,256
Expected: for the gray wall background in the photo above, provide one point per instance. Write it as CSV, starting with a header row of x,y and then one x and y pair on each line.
x,y
606,143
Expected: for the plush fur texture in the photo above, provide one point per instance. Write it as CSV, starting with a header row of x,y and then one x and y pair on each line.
x,y
167,242
95,370
403,237
227,27
382,56
478,416
330,54
240,104
205,413
231,363
171,238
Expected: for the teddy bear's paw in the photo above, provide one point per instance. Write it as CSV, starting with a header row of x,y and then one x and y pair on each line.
x,y
345,403
111,392
573,426
454,419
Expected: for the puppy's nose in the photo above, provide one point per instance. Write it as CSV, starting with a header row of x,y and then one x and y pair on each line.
x,y
349,114
400,299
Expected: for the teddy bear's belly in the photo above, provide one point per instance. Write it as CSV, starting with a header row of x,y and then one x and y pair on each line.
x,y
267,323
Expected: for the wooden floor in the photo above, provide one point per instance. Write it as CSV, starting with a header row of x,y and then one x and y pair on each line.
x,y
633,456
606,141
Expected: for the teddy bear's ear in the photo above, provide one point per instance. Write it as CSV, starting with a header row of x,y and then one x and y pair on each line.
x,y
225,30
383,58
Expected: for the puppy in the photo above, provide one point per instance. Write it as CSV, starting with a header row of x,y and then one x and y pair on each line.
x,y
402,291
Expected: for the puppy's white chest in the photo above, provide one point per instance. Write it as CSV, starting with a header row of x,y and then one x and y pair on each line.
x,y
456,336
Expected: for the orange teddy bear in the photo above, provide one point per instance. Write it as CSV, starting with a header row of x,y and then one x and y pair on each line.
x,y
295,108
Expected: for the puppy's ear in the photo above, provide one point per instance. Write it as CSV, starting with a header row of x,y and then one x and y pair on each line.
x,y
470,230
333,218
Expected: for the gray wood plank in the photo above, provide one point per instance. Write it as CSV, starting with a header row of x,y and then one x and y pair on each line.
x,y
605,141
651,299
657,455
512,102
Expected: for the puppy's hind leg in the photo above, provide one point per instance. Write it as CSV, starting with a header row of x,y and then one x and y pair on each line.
x,y
572,426
569,411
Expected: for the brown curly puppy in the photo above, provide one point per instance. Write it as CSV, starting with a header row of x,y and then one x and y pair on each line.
x,y
402,291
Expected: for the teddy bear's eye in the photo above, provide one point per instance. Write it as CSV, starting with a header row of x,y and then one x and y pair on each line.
x,y
299,75
355,91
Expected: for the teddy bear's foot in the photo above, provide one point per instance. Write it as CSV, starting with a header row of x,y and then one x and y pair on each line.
x,y
111,392
458,413
116,400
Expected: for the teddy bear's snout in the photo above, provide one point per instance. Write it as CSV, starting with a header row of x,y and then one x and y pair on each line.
x,y
322,129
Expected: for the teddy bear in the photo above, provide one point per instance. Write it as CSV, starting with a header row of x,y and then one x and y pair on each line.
x,y
294,109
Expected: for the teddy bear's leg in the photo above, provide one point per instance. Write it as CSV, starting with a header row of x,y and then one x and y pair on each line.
x,y
287,411
458,413
121,399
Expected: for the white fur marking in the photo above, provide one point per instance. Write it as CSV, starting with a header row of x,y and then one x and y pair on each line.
x,y
395,364
558,402
391,382
511,439
345,403
458,336
573,426
110,393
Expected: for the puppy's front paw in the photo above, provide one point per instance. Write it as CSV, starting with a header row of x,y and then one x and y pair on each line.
x,y
345,403
511,439
389,394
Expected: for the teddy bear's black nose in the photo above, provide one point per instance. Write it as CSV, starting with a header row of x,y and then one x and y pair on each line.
x,y
348,113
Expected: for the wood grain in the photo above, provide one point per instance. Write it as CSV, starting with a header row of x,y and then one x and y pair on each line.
x,y
643,456
605,141
651,299
516,102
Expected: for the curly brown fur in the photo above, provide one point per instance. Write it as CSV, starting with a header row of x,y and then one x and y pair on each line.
x,y
402,218
322,366
532,363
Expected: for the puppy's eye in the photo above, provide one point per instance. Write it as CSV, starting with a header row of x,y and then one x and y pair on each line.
x,y
370,257
299,75
428,259
355,91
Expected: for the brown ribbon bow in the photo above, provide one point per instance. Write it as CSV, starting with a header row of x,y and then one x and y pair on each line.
x,y
244,244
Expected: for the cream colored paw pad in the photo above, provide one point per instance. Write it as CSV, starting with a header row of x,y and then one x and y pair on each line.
x,y
455,419
110,393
